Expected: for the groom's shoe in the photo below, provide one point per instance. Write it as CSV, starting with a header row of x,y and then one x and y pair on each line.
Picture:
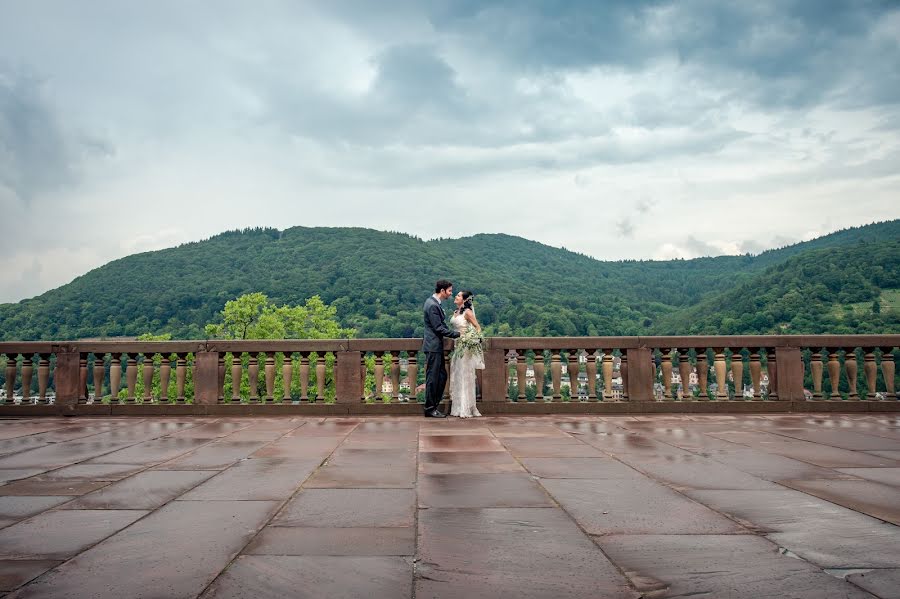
x,y
435,414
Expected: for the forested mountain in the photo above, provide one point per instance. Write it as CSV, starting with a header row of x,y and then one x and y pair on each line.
x,y
379,280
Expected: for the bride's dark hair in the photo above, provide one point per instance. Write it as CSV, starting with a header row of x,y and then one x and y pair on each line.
x,y
467,301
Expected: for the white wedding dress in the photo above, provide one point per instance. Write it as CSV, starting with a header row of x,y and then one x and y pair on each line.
x,y
462,376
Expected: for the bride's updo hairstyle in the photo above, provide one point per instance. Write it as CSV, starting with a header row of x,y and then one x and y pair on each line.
x,y
467,301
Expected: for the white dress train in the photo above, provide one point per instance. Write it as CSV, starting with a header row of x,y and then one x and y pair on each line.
x,y
462,376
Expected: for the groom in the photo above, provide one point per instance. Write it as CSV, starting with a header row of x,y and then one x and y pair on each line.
x,y
433,346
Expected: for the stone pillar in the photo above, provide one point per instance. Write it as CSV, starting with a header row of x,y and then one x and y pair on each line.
x,y
539,374
556,374
756,374
574,368
495,388
703,373
591,369
640,374
270,376
147,366
347,377
834,373
870,368
789,363
737,373
237,370
667,372
521,368
887,369
206,377
684,371
27,372
44,377
287,375
395,376
66,381
607,367
165,373
721,380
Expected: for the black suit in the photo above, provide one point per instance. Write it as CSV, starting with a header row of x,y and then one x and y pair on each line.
x,y
433,346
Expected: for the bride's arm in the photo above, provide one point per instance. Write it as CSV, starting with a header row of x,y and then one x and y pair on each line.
x,y
470,316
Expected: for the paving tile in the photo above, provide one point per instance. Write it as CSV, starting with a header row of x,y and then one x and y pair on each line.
x,y
61,454
579,468
210,430
634,506
467,462
329,428
10,474
15,508
354,508
60,534
215,456
694,472
300,447
772,467
511,552
629,443
255,479
805,451
887,476
458,443
892,455
875,499
96,472
17,444
31,486
549,448
480,490
282,540
15,573
144,491
312,577
883,583
174,552
367,468
826,534
843,439
732,566
150,452
546,431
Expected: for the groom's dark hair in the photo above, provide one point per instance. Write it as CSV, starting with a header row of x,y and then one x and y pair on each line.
x,y
441,285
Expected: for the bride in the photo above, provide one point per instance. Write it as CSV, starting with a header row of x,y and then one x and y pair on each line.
x,y
465,361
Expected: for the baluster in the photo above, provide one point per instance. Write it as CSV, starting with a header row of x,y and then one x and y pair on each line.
x,y
395,376
667,372
684,371
165,373
131,377
556,374
591,369
27,371
320,377
237,372
654,369
10,375
521,368
148,377
181,376
115,376
623,372
99,375
304,376
287,375
887,369
834,373
816,369
82,379
220,380
737,373
720,368
772,371
379,375
607,368
43,377
703,373
539,373
851,369
253,374
270,376
871,370
574,368
412,373
756,374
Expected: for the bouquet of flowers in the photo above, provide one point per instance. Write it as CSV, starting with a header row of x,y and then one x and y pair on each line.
x,y
469,343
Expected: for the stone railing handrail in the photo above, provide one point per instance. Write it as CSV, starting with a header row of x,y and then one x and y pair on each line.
x,y
609,370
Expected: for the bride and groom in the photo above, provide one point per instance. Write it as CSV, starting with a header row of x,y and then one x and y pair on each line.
x,y
465,359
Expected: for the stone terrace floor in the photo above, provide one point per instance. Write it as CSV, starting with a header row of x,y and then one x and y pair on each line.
x,y
718,506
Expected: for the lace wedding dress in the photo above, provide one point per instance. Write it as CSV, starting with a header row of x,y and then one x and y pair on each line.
x,y
462,376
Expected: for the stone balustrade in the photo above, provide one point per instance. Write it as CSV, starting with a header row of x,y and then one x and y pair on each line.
x,y
521,375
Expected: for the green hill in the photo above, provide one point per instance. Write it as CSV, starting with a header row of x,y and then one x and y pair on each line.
x,y
378,281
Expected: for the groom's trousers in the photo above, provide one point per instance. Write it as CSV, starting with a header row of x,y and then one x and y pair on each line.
x,y
435,379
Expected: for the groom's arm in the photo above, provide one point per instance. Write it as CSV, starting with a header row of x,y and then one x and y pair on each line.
x,y
436,320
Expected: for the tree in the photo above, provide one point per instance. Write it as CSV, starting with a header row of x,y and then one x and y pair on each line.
x,y
253,316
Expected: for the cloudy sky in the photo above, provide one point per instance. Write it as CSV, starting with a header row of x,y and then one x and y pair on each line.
x,y
620,129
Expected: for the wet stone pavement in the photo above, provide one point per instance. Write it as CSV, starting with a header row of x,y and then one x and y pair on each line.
x,y
755,506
